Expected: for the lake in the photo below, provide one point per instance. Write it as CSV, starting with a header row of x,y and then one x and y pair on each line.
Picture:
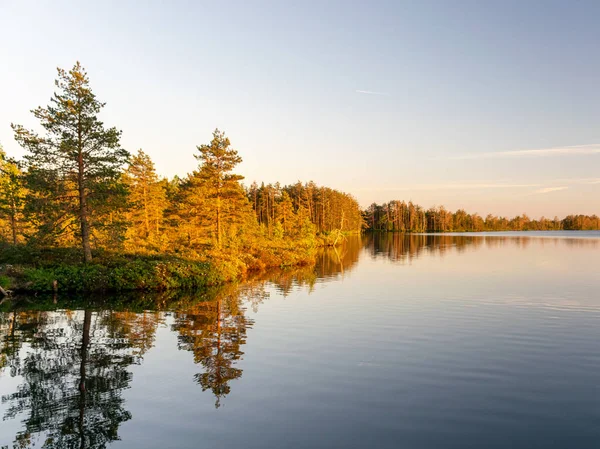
x,y
391,341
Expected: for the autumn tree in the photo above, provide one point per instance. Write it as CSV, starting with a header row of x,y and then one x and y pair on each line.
x,y
73,169
285,213
147,198
213,197
12,195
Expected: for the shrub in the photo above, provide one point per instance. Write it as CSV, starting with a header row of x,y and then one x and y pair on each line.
x,y
4,281
137,274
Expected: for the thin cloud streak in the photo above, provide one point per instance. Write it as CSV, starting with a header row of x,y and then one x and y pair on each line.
x,y
578,181
371,92
566,182
576,150
430,187
549,190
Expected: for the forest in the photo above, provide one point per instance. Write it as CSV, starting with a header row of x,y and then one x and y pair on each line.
x,y
80,206
399,216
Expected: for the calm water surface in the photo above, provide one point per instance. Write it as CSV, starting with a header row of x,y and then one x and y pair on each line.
x,y
422,341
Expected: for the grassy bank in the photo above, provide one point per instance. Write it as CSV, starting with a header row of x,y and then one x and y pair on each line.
x,y
27,269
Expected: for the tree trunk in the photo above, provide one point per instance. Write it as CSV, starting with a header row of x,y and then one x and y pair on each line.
x,y
146,220
83,213
218,355
13,222
219,221
85,342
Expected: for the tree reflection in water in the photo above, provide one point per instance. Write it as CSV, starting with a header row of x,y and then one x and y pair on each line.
x,y
73,369
74,359
214,329
75,363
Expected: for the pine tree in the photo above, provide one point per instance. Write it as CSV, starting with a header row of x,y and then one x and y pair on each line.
x,y
74,169
147,197
12,195
285,213
214,197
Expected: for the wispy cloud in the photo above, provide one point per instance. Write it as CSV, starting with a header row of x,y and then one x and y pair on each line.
x,y
371,92
545,152
564,184
549,189
457,186
578,181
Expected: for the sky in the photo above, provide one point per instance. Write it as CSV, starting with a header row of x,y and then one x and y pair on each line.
x,y
490,106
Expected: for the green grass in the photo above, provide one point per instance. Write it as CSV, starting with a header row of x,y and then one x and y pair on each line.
x,y
28,269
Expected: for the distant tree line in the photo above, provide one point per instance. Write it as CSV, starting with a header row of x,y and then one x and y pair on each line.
x,y
399,216
77,186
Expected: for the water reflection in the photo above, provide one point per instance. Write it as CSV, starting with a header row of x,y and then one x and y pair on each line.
x,y
404,248
334,262
214,329
74,359
73,369
71,360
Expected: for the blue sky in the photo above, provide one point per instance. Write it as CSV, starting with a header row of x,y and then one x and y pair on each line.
x,y
489,106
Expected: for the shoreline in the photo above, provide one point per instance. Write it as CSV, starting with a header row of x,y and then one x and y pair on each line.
x,y
138,275
60,270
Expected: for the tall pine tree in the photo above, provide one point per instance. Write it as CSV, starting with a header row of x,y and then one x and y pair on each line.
x,y
147,199
74,168
11,196
214,197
